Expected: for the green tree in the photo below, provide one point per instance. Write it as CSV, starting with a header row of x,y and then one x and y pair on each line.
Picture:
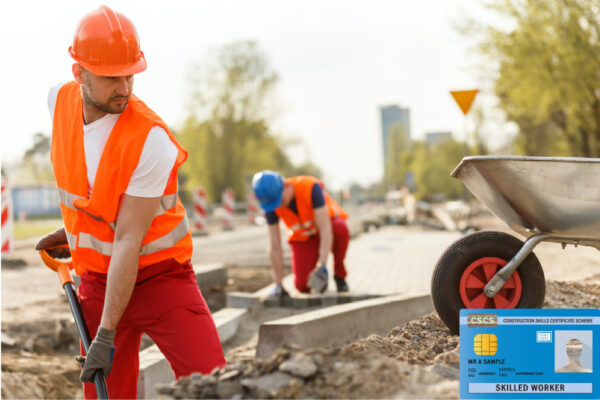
x,y
227,134
399,156
432,166
548,73
36,160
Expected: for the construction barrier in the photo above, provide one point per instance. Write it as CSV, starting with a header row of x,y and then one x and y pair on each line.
x,y
253,209
7,228
200,210
228,200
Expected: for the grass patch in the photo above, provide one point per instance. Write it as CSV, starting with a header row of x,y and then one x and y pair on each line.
x,y
34,228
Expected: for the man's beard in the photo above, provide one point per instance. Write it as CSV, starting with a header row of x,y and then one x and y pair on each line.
x,y
106,107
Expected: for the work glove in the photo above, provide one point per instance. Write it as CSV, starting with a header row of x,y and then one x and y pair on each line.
x,y
279,291
56,238
319,278
99,355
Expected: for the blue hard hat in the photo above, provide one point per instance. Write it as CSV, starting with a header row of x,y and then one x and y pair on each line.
x,y
268,188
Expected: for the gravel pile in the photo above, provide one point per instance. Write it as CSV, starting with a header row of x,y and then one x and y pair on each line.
x,y
417,359
416,356
573,294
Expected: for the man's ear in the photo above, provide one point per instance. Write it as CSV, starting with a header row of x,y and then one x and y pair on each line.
x,y
78,73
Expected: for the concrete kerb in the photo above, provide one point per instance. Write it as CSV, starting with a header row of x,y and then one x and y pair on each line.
x,y
210,275
154,367
297,300
341,323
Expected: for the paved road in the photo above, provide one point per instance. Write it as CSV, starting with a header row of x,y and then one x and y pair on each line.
x,y
395,260
391,260
244,246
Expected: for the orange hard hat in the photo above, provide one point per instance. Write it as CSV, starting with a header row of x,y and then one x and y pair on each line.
x,y
106,43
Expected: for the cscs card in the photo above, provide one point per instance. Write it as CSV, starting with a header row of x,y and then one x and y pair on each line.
x,y
529,354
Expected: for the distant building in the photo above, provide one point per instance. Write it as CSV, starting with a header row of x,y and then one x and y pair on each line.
x,y
391,115
432,138
38,200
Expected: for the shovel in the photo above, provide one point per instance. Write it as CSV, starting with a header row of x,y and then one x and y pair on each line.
x,y
67,283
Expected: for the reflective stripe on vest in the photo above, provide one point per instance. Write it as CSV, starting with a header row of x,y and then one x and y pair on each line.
x,y
168,240
306,225
309,232
71,239
67,199
167,202
89,241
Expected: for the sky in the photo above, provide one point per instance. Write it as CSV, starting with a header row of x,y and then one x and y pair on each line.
x,y
338,62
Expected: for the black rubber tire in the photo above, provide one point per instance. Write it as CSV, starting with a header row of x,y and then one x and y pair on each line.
x,y
445,281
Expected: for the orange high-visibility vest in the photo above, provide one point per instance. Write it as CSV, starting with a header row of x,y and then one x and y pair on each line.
x,y
90,219
301,226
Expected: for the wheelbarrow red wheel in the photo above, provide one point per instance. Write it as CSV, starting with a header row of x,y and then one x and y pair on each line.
x,y
478,274
468,264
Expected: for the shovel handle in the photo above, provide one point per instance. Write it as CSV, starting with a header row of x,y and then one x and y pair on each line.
x,y
62,268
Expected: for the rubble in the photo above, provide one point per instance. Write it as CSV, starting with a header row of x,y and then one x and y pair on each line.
x,y
561,294
416,359
371,367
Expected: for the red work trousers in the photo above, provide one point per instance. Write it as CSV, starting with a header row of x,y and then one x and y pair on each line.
x,y
306,254
167,305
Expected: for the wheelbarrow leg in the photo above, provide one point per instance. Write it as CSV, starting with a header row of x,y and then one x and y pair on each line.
x,y
498,280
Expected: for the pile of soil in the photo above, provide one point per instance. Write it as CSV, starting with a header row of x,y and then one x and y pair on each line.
x,y
416,359
338,372
419,358
38,360
38,355
573,294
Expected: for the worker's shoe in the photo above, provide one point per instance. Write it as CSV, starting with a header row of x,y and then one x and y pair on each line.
x,y
279,291
318,279
281,295
341,284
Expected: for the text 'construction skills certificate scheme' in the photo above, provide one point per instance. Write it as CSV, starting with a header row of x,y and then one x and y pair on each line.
x,y
530,354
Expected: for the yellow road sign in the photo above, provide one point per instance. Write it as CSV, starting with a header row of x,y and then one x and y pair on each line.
x,y
464,98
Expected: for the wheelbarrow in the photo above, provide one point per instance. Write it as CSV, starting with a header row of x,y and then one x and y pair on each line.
x,y
543,199
64,274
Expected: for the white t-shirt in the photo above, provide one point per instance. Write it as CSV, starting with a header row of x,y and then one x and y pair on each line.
x,y
151,175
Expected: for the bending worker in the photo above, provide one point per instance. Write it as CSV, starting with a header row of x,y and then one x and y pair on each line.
x,y
115,163
316,226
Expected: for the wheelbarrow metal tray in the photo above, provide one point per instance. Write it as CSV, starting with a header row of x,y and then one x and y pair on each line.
x,y
555,196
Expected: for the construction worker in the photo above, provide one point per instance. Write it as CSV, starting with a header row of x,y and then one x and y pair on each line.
x,y
316,226
115,163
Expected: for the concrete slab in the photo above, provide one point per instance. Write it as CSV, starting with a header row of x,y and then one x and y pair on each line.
x,y
296,300
227,321
242,300
327,299
154,367
210,275
341,322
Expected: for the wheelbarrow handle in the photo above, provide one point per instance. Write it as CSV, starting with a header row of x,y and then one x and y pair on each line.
x,y
63,268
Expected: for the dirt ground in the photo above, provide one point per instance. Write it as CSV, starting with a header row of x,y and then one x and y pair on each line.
x,y
39,341
418,359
